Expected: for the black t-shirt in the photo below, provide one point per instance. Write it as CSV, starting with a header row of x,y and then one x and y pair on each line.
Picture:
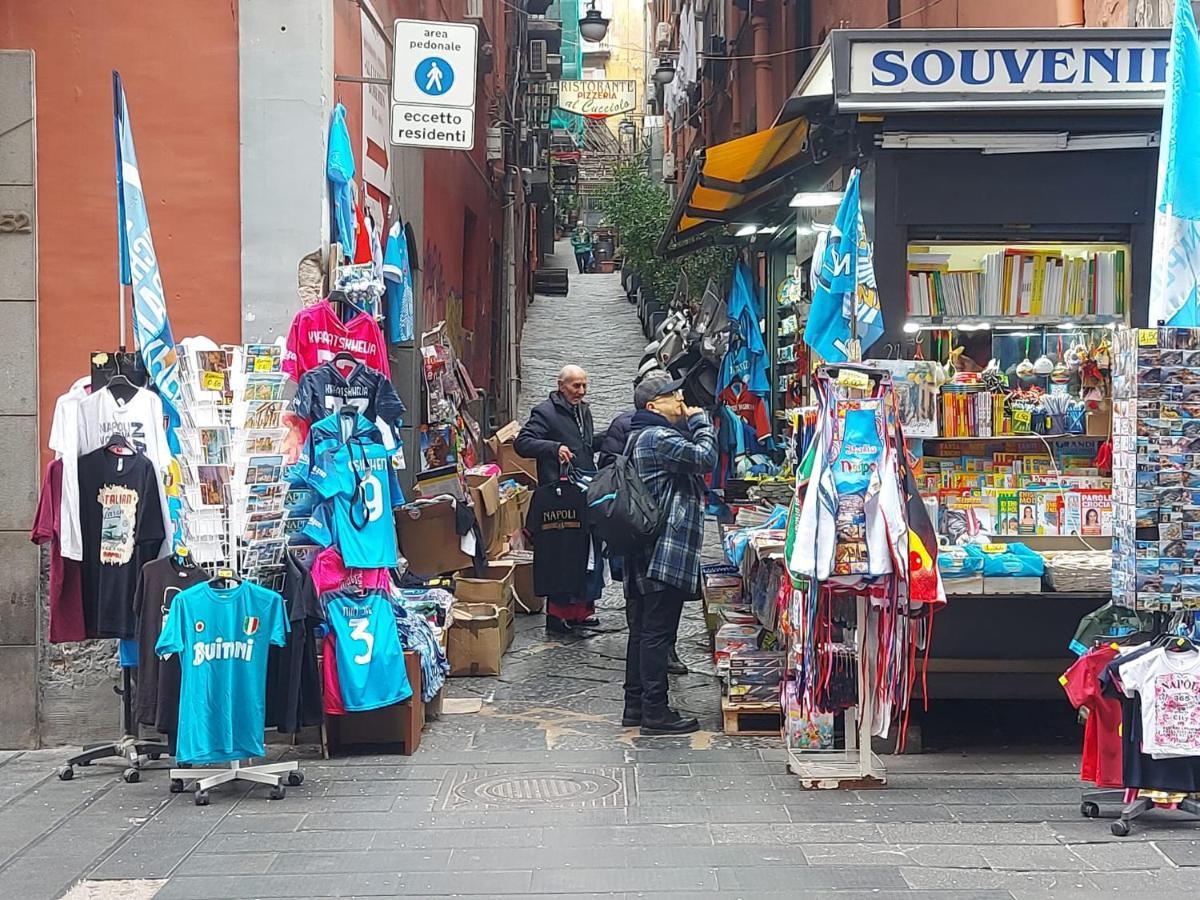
x,y
557,524
293,683
120,521
325,390
158,679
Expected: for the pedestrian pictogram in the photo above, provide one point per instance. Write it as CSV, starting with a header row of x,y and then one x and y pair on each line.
x,y
434,76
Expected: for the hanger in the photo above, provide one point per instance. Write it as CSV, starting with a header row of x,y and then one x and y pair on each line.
x,y
128,390
120,445
339,296
227,577
344,356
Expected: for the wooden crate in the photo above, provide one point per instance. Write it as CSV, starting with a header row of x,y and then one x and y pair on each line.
x,y
751,719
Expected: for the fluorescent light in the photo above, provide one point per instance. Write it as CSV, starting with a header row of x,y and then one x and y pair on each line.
x,y
746,231
997,142
814,199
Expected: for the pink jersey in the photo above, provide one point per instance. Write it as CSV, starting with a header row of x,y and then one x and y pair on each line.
x,y
329,573
317,334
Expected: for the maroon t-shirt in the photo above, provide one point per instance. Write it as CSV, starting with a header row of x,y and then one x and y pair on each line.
x,y
66,591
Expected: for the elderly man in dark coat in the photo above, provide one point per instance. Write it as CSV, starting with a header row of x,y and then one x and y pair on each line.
x,y
559,433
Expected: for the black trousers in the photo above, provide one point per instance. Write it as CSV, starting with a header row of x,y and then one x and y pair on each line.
x,y
653,627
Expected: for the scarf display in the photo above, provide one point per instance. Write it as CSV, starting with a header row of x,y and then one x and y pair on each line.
x,y
858,536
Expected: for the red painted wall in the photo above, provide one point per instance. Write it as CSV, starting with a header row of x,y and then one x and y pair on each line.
x,y
458,186
179,62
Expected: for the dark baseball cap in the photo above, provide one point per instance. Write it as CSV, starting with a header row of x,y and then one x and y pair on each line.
x,y
653,387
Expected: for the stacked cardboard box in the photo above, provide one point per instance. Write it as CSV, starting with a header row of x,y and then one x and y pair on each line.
x,y
1156,468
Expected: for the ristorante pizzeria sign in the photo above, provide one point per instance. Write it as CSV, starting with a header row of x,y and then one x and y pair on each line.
x,y
1015,68
597,98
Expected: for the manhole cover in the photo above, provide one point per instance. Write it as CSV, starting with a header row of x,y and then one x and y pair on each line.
x,y
567,788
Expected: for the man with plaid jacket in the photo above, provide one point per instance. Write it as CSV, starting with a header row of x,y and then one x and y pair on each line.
x,y
671,461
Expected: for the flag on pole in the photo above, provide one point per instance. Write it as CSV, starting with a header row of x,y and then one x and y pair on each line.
x,y
138,266
845,285
1175,265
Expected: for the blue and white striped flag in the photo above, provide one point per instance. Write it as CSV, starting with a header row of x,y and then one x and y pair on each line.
x,y
1175,266
845,285
139,268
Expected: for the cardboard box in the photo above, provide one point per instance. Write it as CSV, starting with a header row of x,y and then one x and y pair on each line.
x,y
501,446
527,599
496,588
400,723
498,517
428,539
477,640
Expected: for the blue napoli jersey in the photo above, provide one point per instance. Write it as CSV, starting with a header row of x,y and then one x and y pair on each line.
x,y
370,659
221,636
359,488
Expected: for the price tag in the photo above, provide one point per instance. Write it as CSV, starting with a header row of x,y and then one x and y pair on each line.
x,y
995,548
1147,337
1022,420
213,381
262,364
849,378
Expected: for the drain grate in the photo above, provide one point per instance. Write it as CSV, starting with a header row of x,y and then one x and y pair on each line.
x,y
566,788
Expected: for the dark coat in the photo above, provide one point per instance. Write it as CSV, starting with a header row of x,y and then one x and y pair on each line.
x,y
551,424
613,442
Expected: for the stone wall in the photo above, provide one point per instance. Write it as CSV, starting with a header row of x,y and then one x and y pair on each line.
x,y
18,403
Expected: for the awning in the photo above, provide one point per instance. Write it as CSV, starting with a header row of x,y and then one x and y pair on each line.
x,y
729,181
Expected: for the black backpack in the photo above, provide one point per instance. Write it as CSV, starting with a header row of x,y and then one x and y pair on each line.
x,y
621,510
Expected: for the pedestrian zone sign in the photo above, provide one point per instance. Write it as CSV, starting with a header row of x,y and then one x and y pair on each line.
x,y
433,84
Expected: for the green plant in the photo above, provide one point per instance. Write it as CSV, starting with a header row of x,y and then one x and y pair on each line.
x,y
639,208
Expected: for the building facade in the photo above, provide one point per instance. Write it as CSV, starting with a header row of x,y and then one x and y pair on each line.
x,y
230,107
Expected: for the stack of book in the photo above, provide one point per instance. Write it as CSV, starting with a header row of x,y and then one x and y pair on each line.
x,y
1019,282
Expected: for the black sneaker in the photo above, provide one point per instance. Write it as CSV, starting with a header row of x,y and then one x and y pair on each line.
x,y
675,724
590,622
555,625
675,665
631,718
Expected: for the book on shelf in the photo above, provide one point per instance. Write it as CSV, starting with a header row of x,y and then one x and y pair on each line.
x,y
1016,281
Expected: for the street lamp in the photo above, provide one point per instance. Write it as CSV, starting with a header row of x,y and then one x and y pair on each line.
x,y
664,74
593,26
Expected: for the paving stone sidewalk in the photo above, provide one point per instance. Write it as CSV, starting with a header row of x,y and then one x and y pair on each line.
x,y
542,793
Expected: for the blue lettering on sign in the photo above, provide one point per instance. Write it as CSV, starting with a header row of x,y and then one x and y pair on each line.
x,y
920,66
434,76
1028,67
890,62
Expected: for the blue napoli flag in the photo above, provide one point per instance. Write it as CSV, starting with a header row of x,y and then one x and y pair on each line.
x,y
845,286
1175,265
139,269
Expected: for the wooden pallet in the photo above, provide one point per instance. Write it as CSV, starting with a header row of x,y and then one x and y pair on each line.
x,y
751,719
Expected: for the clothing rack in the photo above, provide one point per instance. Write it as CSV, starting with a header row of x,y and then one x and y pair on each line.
x,y
1124,804
132,749
271,774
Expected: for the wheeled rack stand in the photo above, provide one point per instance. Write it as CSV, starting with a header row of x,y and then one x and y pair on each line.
x,y
271,774
130,748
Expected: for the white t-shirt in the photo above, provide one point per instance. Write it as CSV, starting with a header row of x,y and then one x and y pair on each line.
x,y
1169,682
64,441
100,415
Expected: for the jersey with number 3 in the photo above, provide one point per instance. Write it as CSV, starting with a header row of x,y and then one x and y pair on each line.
x,y
359,489
369,657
